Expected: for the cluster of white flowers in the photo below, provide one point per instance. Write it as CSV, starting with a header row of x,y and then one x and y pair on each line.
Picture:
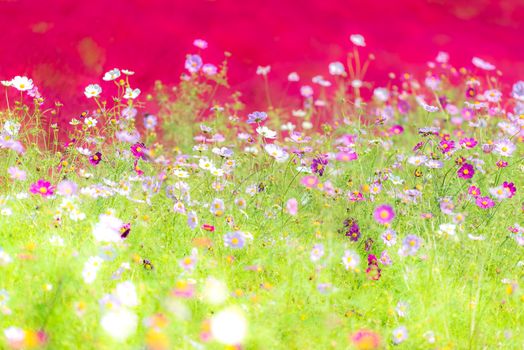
x,y
119,320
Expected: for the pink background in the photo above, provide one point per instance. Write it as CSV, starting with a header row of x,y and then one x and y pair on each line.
x,y
64,45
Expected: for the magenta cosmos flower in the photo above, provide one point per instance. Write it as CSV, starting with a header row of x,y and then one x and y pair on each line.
x,y
484,202
466,171
95,158
139,150
42,188
384,214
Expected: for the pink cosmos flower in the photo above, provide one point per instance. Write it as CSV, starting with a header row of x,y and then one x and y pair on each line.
x,y
310,181
42,188
292,206
485,202
139,150
346,156
384,214
474,191
468,142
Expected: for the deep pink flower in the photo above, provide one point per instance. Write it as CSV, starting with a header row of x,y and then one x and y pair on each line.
x,y
502,164
42,188
139,150
384,214
510,188
396,130
474,191
447,145
95,158
485,202
466,171
468,142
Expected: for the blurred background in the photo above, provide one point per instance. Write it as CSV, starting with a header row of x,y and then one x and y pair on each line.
x,y
65,45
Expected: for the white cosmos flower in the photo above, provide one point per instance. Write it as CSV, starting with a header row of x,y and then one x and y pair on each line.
x,y
180,173
126,294
351,260
107,229
215,291
22,83
112,74
276,152
229,326
266,132
90,122
93,90
120,323
131,93
336,68
127,72
480,63
358,40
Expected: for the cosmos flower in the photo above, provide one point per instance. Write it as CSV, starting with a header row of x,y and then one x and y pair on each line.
x,y
139,150
119,323
336,68
22,83
193,63
234,239
66,188
318,165
447,146
310,181
264,131
400,334
480,63
256,117
474,191
351,260
389,237
410,245
357,40
292,206
16,173
96,158
93,90
200,43
209,69
131,93
111,75
365,339
384,214
317,252
504,147
484,202
42,188
229,326
466,171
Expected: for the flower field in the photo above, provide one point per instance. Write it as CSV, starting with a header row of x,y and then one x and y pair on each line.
x,y
355,216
